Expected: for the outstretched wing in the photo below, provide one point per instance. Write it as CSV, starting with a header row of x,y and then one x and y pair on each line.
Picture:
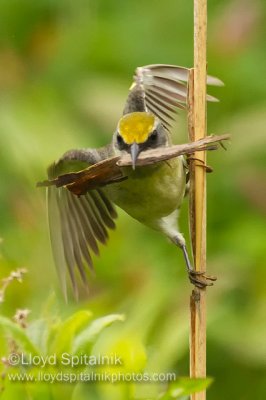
x,y
77,224
162,90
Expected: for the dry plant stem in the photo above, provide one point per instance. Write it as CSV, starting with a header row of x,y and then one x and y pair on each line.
x,y
197,130
166,153
111,170
14,275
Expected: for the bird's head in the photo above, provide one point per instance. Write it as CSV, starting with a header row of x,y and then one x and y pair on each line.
x,y
139,131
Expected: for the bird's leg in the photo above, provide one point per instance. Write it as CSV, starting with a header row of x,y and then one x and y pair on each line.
x,y
197,278
168,225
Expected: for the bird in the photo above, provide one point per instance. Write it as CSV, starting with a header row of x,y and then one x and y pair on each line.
x,y
151,194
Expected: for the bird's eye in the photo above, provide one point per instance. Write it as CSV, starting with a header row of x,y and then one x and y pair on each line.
x,y
154,135
119,139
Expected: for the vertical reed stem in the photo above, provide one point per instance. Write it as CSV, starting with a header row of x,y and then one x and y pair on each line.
x,y
197,130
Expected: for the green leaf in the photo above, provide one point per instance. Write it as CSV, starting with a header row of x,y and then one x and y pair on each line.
x,y
86,338
185,386
37,333
18,334
68,329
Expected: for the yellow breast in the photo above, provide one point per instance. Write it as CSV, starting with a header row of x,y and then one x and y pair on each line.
x,y
150,192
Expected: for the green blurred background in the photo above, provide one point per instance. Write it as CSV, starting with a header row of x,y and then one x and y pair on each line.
x,y
65,69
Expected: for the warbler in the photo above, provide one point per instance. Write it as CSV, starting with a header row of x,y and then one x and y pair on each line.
x,y
151,194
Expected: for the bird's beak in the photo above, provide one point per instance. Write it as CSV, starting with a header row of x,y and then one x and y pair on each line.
x,y
134,150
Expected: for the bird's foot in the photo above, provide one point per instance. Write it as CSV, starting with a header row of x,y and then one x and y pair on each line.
x,y
200,279
201,163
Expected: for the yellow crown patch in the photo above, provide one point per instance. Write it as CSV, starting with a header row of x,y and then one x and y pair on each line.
x,y
136,127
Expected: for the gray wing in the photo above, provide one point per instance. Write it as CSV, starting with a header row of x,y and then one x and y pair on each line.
x,y
162,90
77,224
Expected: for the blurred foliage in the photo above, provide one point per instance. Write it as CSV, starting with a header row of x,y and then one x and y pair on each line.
x,y
55,349
65,68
